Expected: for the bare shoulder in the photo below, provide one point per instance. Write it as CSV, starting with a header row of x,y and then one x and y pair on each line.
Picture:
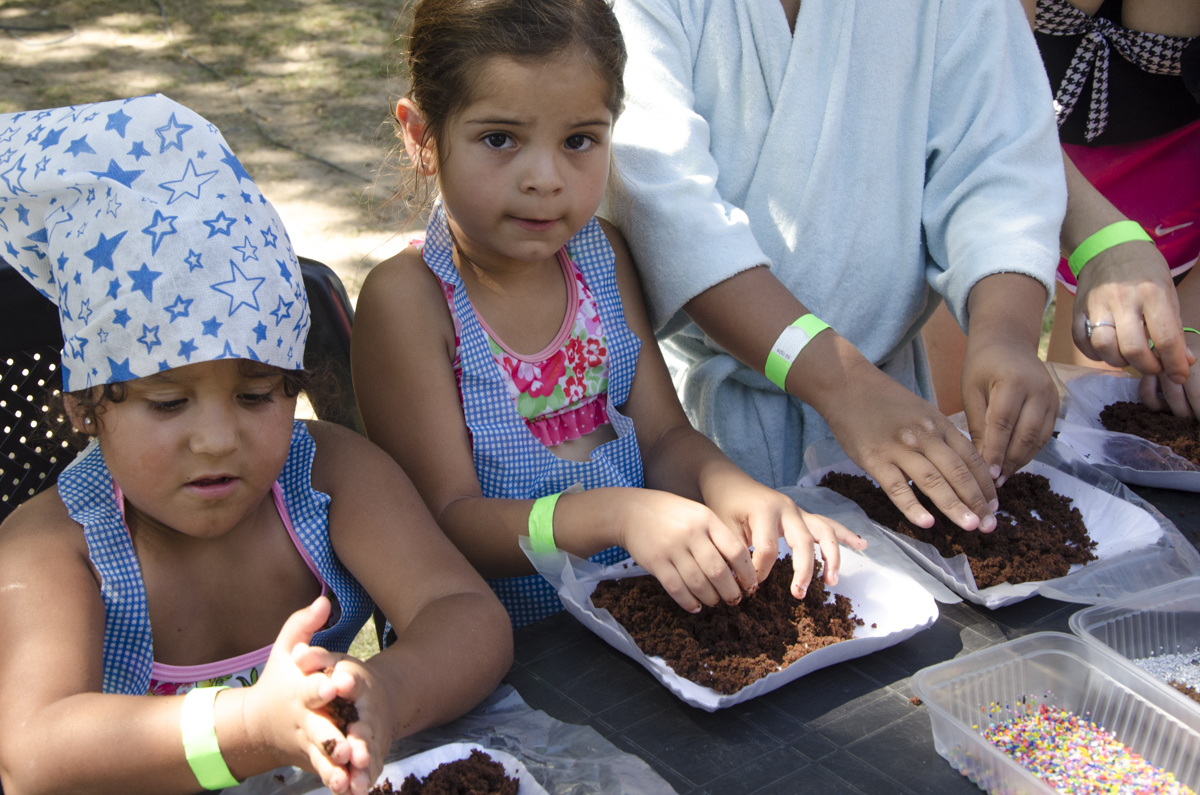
x,y
39,536
404,278
346,462
401,306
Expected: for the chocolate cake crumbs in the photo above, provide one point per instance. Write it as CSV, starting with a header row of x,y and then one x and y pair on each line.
x,y
1180,434
1038,536
478,774
1187,690
329,746
730,646
342,712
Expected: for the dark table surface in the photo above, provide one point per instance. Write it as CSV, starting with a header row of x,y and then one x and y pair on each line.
x,y
849,728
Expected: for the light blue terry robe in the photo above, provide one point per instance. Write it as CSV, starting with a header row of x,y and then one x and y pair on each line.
x,y
890,146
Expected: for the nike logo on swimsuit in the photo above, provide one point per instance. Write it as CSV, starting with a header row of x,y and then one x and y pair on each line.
x,y
1160,232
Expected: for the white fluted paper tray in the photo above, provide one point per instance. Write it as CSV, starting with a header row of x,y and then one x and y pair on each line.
x,y
895,603
1117,526
422,764
1128,458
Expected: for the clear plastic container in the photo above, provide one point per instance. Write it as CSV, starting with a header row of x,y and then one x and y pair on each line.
x,y
1165,620
1060,670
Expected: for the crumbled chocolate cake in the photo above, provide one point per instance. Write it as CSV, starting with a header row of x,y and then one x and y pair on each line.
x,y
342,712
729,646
1038,534
478,774
1186,689
1180,434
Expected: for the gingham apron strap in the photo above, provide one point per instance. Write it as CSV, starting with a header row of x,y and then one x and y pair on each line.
x,y
509,461
86,489
592,253
308,510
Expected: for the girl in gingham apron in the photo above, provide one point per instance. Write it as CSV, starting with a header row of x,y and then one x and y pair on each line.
x,y
178,610
582,444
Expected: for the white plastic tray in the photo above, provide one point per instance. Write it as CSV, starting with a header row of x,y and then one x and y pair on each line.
x,y
1118,527
1121,455
895,603
421,765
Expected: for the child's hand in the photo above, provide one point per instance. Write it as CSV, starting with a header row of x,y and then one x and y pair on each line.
x,y
283,707
1011,403
366,739
686,547
761,515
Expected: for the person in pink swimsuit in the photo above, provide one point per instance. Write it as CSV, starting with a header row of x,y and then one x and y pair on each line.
x,y
1127,79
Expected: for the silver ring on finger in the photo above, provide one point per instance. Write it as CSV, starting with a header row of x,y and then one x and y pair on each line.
x,y
1089,326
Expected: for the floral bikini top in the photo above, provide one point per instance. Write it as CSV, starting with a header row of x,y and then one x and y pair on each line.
x,y
561,391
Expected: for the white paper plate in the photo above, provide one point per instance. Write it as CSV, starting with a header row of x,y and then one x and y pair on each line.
x,y
1120,455
422,764
895,603
1118,527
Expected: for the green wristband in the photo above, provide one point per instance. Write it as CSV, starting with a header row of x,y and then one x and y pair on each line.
x,y
1151,342
200,739
541,524
1106,238
788,346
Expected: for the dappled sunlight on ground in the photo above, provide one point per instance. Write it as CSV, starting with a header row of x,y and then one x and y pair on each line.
x,y
313,72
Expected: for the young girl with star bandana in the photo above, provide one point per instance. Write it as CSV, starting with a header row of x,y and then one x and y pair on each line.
x,y
204,537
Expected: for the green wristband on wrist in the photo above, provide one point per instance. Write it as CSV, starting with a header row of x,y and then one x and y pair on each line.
x,y
1103,240
199,730
785,350
541,524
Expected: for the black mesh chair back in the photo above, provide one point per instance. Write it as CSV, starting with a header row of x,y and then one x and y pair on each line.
x,y
329,341
31,456
30,341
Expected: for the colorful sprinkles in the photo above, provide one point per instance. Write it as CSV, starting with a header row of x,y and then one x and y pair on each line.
x,y
1075,756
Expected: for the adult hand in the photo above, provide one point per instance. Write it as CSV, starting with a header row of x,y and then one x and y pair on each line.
x,y
897,437
686,547
761,515
1129,286
1162,393
1010,401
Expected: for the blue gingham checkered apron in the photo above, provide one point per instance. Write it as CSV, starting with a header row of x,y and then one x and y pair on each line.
x,y
86,489
509,460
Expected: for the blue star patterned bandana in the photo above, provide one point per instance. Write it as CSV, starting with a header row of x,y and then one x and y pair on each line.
x,y
137,221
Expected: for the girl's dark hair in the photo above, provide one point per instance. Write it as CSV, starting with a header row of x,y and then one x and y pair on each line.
x,y
450,39
318,383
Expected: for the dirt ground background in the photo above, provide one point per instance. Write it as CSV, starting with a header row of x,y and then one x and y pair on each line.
x,y
314,74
